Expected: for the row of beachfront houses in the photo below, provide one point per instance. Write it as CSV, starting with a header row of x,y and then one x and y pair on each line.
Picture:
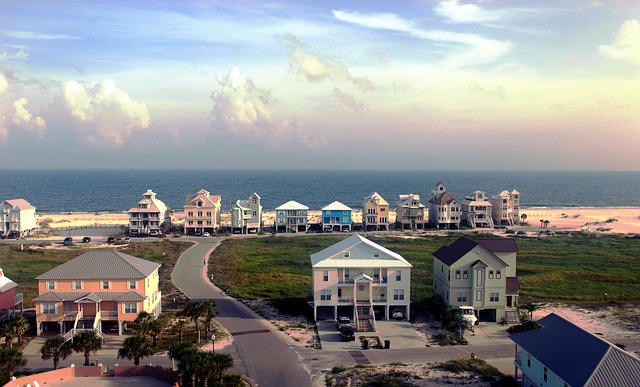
x,y
202,213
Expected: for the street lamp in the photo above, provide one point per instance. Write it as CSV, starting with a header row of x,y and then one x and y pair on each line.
x,y
213,342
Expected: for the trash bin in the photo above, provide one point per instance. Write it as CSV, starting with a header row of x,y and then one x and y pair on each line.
x,y
387,344
365,344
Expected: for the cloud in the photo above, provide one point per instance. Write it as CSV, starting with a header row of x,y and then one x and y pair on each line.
x,y
4,85
243,110
4,133
349,101
464,13
29,35
316,69
495,90
476,48
104,114
24,119
626,47
20,55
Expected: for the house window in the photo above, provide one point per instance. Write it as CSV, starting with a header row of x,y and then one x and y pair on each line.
x,y
347,274
325,275
376,254
462,297
254,200
347,254
399,275
339,292
345,212
398,294
479,275
458,274
132,285
498,274
255,213
130,307
325,295
77,285
208,214
494,296
328,212
490,274
48,308
544,376
465,274
190,213
529,360
50,285
478,295
105,285
199,214
199,204
345,220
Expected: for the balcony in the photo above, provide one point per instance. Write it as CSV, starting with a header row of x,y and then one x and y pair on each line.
x,y
109,314
345,300
18,298
379,299
345,281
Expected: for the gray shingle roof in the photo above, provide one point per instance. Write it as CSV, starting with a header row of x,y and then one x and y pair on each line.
x,y
461,246
96,296
577,356
102,264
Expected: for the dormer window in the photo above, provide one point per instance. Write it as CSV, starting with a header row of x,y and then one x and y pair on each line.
x,y
199,204
347,254
376,254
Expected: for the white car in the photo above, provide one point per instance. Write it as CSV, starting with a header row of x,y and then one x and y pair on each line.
x,y
468,315
206,234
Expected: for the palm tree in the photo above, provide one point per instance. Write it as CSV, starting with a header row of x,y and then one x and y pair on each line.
x,y
134,348
188,359
530,307
141,323
87,342
180,325
9,333
541,222
546,223
10,360
57,349
524,217
154,328
194,310
21,325
222,363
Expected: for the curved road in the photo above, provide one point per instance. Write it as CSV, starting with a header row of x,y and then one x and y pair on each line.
x,y
257,351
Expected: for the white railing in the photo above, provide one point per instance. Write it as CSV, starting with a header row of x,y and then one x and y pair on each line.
x,y
108,314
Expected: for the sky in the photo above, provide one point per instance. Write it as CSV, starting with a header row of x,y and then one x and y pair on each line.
x,y
430,84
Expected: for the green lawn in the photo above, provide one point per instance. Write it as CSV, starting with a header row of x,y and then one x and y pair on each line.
x,y
577,268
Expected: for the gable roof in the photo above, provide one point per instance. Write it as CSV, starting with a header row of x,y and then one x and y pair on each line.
x,y
94,296
376,198
205,196
20,203
441,199
336,206
406,199
333,255
577,356
463,245
154,204
6,283
292,205
102,264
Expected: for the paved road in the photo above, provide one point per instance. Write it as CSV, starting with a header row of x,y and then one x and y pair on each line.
x,y
258,352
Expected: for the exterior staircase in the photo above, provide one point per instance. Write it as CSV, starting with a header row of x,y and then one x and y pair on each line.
x,y
365,319
85,324
512,316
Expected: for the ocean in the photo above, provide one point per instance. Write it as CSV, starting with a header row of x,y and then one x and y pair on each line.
x,y
118,190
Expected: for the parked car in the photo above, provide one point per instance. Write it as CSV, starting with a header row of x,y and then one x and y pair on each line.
x,y
13,235
347,334
111,239
154,233
206,234
197,233
398,314
86,239
67,241
343,321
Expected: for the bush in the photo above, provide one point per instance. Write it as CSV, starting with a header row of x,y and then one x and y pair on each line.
x,y
524,327
472,364
339,369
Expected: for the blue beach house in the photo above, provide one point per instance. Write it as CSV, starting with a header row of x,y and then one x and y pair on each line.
x,y
292,217
336,217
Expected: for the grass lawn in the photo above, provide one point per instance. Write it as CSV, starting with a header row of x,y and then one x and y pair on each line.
x,y
575,268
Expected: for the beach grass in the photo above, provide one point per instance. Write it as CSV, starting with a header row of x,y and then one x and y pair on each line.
x,y
572,268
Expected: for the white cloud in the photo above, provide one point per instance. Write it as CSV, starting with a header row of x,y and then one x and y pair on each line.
x,y
20,55
464,13
4,85
24,119
243,110
4,133
476,48
316,69
349,101
29,35
626,47
104,114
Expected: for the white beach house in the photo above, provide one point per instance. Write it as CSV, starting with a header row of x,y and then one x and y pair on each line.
x,y
18,217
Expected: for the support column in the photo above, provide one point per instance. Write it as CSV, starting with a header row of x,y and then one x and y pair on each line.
x,y
335,311
61,323
119,328
387,312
